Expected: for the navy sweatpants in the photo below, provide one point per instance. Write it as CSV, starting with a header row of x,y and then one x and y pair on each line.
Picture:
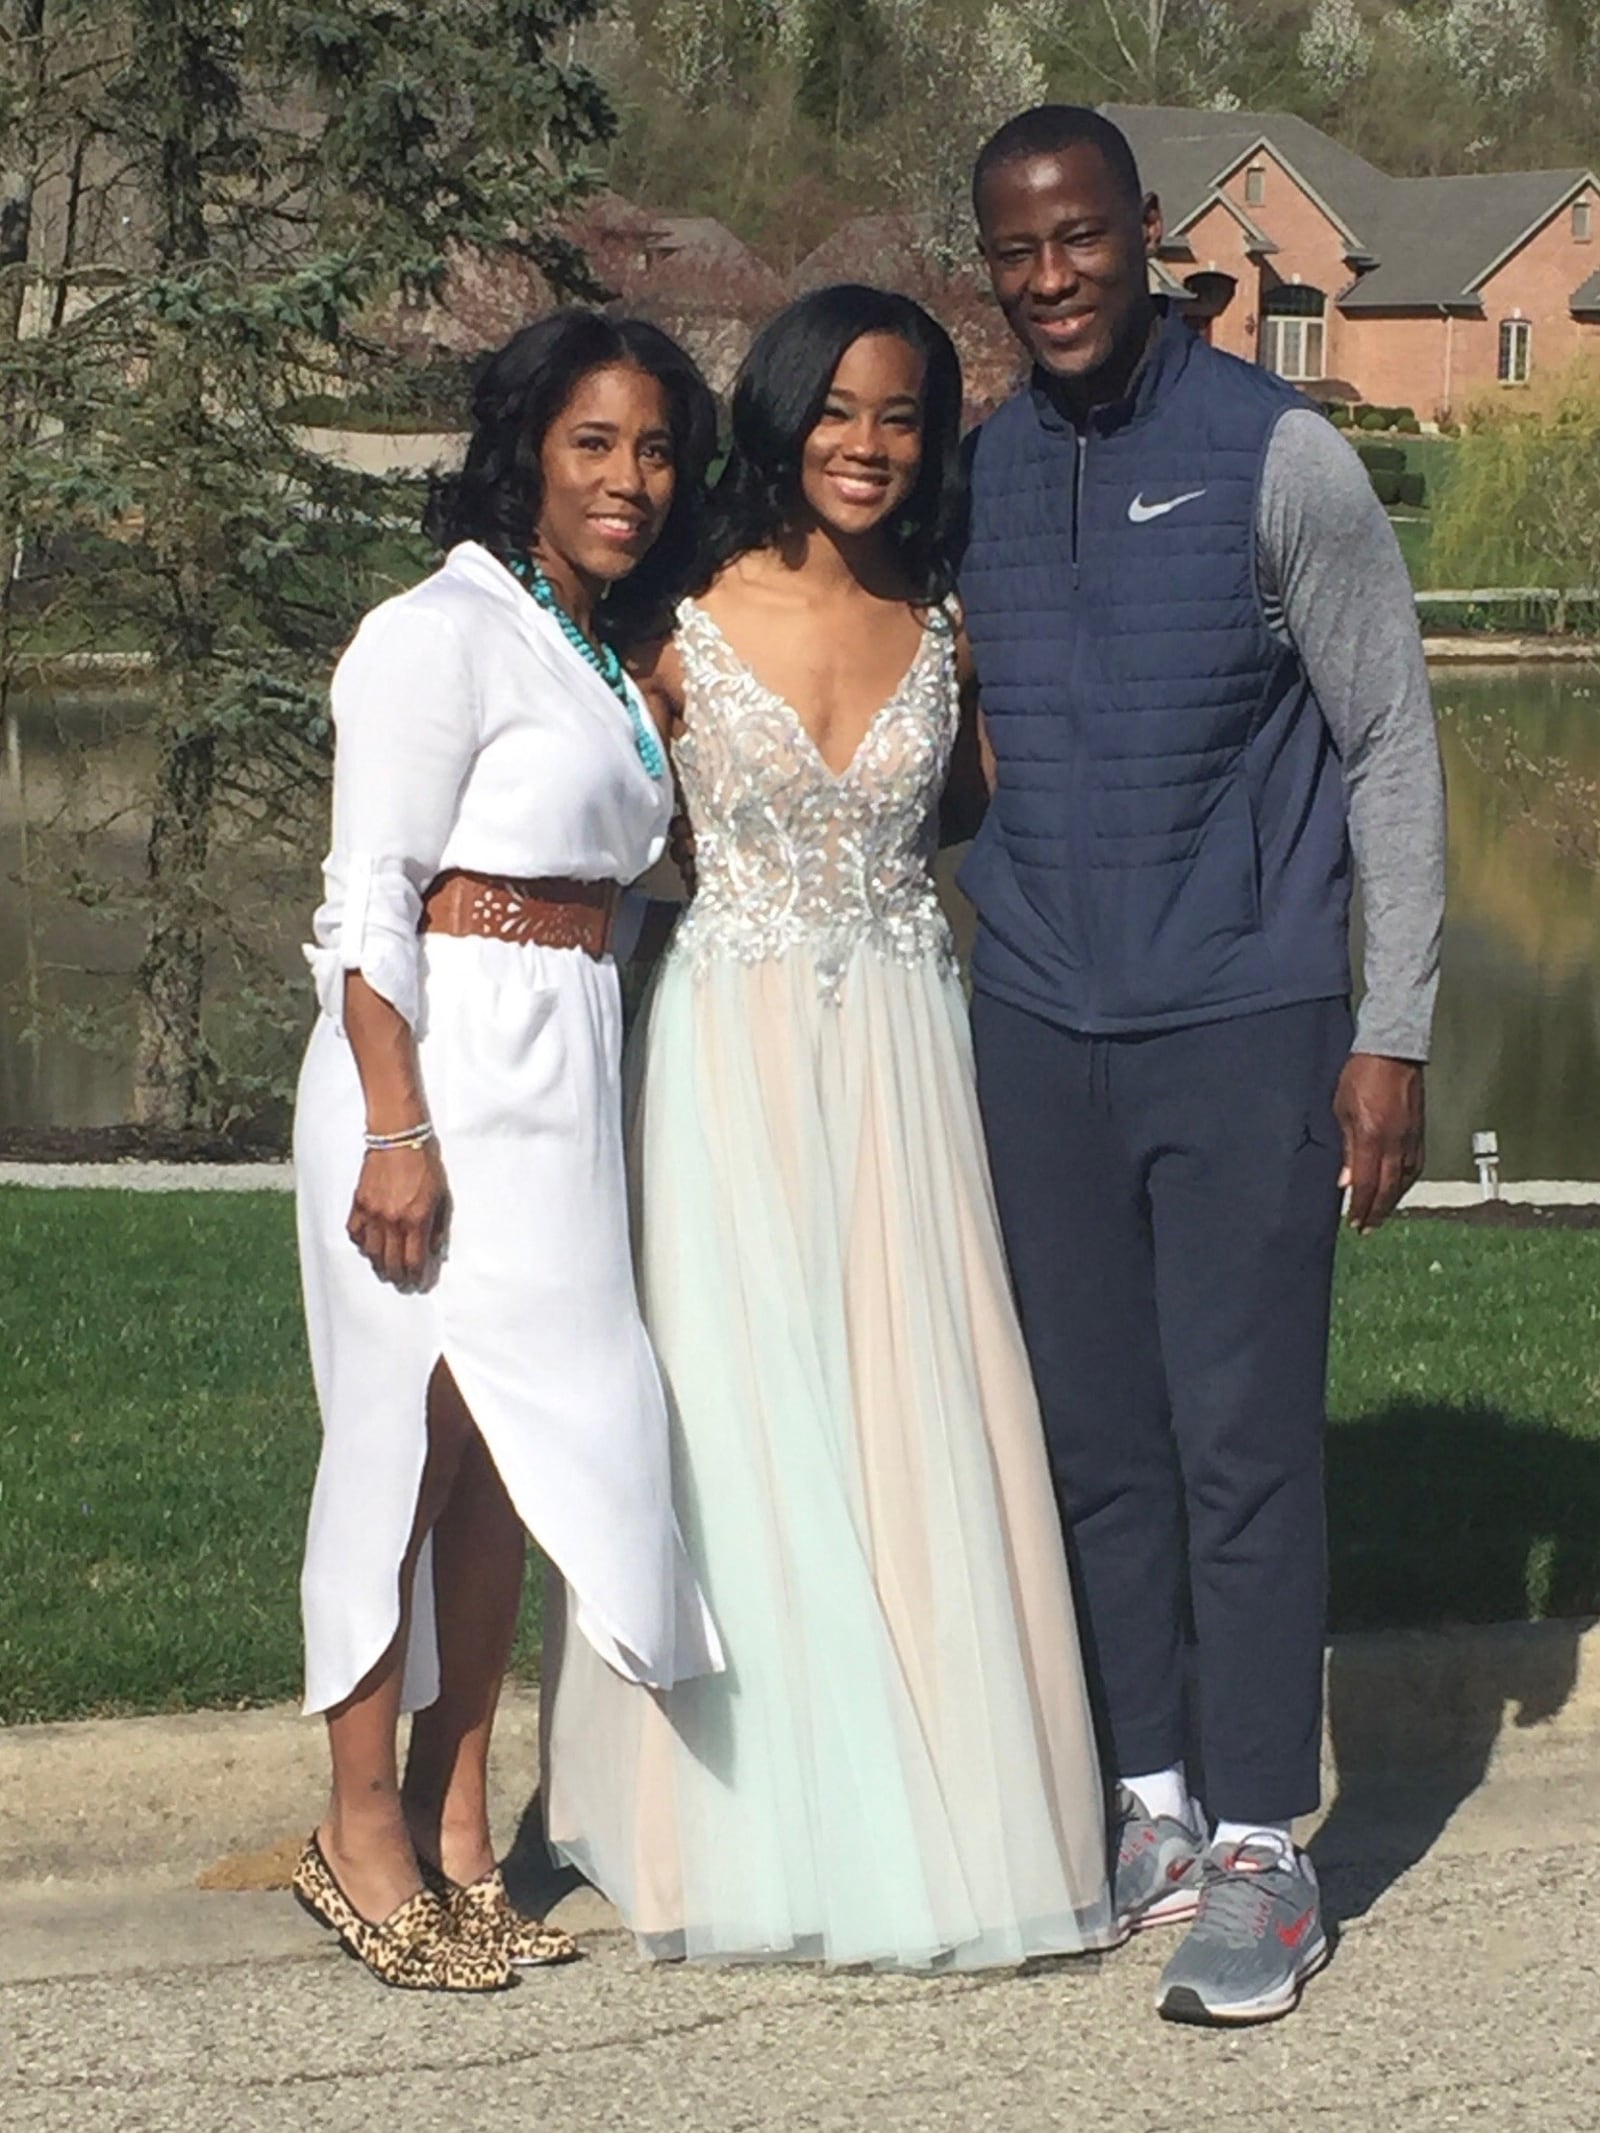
x,y
1170,1209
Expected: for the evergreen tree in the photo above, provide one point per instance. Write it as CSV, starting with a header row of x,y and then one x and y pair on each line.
x,y
841,74
286,167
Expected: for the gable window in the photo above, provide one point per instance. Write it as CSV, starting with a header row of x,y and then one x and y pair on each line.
x,y
1255,185
1516,350
1293,331
1582,220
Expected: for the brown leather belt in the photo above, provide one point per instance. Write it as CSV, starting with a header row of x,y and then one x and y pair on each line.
x,y
550,914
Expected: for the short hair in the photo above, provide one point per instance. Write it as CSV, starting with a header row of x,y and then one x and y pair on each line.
x,y
1047,130
778,398
519,391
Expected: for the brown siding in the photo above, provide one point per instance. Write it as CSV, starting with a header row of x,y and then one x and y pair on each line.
x,y
1403,359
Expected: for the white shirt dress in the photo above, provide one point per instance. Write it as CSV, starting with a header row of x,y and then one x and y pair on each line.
x,y
470,734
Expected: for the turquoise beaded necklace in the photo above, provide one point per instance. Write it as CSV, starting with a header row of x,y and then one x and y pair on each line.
x,y
601,657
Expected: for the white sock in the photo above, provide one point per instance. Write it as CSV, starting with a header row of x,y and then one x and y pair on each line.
x,y
1233,1834
1164,1792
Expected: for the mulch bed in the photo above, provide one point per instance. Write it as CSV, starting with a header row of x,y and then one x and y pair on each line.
x,y
143,1144
1508,1214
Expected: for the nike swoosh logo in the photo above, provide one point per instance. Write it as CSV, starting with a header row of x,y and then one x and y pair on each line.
x,y
1139,510
1292,1936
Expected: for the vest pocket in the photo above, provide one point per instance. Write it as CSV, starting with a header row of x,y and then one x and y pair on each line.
x,y
1238,825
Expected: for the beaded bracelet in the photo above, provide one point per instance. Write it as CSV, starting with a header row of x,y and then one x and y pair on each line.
x,y
417,1136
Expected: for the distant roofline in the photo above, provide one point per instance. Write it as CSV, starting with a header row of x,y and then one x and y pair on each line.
x,y
1260,142
1266,141
1579,183
1259,240
1359,255
1414,306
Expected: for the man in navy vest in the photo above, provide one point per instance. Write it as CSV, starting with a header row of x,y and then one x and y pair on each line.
x,y
1204,690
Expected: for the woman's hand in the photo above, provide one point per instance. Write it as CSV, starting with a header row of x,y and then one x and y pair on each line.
x,y
397,1219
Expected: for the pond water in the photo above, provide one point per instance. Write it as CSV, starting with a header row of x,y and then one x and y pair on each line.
x,y
1517,1041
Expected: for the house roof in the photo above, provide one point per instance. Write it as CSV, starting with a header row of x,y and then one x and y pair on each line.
x,y
1443,237
683,260
1176,243
880,249
1429,241
1588,297
1182,155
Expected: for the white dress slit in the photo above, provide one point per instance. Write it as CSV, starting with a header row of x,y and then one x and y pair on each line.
x,y
471,735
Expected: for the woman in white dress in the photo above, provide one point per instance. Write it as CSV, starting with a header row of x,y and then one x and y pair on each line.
x,y
479,1358
897,1767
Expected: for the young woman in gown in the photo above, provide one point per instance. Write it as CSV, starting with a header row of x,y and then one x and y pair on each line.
x,y
475,1336
897,1767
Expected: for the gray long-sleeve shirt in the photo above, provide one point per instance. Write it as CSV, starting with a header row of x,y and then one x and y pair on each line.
x,y
1334,584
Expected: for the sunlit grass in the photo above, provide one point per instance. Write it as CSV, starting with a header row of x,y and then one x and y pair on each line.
x,y
158,1438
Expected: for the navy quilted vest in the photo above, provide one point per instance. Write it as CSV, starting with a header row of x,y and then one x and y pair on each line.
x,y
1168,843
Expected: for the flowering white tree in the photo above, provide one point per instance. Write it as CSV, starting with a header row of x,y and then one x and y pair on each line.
x,y
1336,46
1498,49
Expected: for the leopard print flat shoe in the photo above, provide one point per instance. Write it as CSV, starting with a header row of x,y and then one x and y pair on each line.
x,y
482,1911
418,1948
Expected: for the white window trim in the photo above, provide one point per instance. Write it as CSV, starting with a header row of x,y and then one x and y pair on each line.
x,y
1582,221
1514,352
1294,347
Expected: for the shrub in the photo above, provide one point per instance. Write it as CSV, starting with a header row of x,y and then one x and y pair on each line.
x,y
1385,485
1413,490
1372,418
1407,423
1382,458
1338,413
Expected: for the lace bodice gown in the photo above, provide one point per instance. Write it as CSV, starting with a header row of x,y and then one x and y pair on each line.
x,y
897,1767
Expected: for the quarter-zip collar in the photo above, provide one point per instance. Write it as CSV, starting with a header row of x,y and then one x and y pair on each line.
x,y
1160,368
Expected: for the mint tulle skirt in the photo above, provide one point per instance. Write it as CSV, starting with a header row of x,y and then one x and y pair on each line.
x,y
897,1767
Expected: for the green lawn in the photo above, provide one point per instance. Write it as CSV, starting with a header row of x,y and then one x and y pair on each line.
x,y
1464,1470
157,1443
158,1436
1434,459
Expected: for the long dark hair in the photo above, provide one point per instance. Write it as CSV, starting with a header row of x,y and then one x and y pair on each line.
x,y
778,398
519,392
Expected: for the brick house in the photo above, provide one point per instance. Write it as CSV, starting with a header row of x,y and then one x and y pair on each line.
x,y
690,274
1417,292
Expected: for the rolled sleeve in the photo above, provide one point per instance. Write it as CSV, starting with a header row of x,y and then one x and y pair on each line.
x,y
406,729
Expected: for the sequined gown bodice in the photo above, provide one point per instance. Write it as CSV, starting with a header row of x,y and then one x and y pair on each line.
x,y
790,855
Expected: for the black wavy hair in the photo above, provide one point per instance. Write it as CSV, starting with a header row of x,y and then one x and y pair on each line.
x,y
778,398
1048,129
518,393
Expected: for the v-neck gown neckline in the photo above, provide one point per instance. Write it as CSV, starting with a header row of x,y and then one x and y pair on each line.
x,y
791,709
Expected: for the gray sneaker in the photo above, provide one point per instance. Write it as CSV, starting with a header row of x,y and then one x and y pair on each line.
x,y
1156,1880
1257,1938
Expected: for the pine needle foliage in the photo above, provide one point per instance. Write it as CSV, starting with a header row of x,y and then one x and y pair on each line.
x,y
273,179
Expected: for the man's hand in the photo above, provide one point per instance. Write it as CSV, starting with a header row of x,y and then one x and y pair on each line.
x,y
681,848
1379,1106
